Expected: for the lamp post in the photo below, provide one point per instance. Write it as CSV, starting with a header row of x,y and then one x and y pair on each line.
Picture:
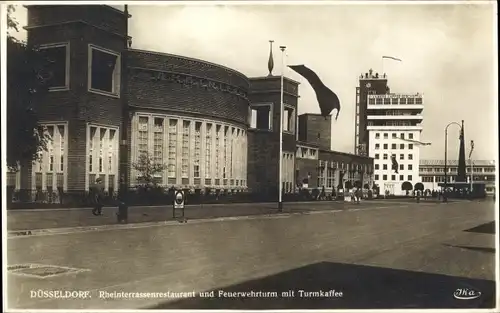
x,y
446,157
280,179
471,166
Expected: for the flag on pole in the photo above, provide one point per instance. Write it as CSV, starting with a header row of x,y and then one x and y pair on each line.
x,y
471,148
392,58
327,99
395,164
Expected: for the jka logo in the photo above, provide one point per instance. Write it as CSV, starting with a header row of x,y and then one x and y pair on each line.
x,y
466,294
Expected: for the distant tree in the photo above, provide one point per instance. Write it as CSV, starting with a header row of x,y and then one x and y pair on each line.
x,y
419,186
147,169
27,84
406,186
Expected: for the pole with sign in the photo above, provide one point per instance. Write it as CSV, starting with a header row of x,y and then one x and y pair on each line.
x,y
178,202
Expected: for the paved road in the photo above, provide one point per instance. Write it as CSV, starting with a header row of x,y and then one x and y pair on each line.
x,y
82,217
396,256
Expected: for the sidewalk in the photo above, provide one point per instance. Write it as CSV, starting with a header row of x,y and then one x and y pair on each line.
x,y
64,218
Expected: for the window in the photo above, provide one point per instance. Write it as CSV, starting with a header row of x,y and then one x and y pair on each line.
x,y
218,129
288,119
402,101
57,68
172,148
371,101
410,178
197,150
410,146
402,136
104,71
186,125
410,135
387,101
401,167
385,146
377,156
377,135
394,146
427,179
208,150
401,177
376,166
261,117
394,135
401,156
402,146
411,100
386,136
385,156
377,146
410,156
395,100
158,141
378,101
142,134
376,176
393,177
410,167
418,100
225,152
384,166
384,177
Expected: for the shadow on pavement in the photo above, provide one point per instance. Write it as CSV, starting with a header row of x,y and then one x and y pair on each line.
x,y
486,228
362,287
479,249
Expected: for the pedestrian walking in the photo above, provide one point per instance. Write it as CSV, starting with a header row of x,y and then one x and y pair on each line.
x,y
359,194
97,192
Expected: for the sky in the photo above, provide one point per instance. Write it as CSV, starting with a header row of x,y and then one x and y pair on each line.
x,y
448,53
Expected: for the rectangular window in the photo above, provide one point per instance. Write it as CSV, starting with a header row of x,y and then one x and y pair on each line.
x,y
411,100
395,100
261,117
410,135
394,146
418,100
92,138
401,177
158,140
386,136
402,136
402,101
225,152
410,167
61,147
402,146
385,156
172,148
377,146
384,166
376,176
394,135
288,119
376,166
384,177
401,167
385,146
393,177
186,127
111,150
377,135
104,71
376,156
410,177
142,142
197,150
410,146
208,151
401,156
410,156
57,60
217,150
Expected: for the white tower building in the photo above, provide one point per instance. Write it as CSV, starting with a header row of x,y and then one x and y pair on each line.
x,y
393,122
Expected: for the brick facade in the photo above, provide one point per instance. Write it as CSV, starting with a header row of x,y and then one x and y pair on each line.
x,y
316,129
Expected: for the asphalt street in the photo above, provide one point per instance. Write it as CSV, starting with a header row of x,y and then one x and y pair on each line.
x,y
402,255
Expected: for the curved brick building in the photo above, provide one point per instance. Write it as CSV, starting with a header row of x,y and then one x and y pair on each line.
x,y
210,126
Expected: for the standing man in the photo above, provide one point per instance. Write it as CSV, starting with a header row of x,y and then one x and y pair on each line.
x,y
98,195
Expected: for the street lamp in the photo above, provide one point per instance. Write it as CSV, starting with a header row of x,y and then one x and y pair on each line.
x,y
446,157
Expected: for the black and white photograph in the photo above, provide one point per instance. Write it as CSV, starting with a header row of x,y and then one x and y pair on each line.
x,y
249,155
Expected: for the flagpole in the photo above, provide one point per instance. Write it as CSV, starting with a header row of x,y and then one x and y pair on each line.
x,y
280,179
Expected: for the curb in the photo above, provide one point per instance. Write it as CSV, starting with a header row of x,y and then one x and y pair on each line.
x,y
81,229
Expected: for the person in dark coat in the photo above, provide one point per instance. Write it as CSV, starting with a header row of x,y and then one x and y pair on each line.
x,y
97,191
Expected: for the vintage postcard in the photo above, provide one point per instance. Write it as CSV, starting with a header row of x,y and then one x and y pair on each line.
x,y
252,155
